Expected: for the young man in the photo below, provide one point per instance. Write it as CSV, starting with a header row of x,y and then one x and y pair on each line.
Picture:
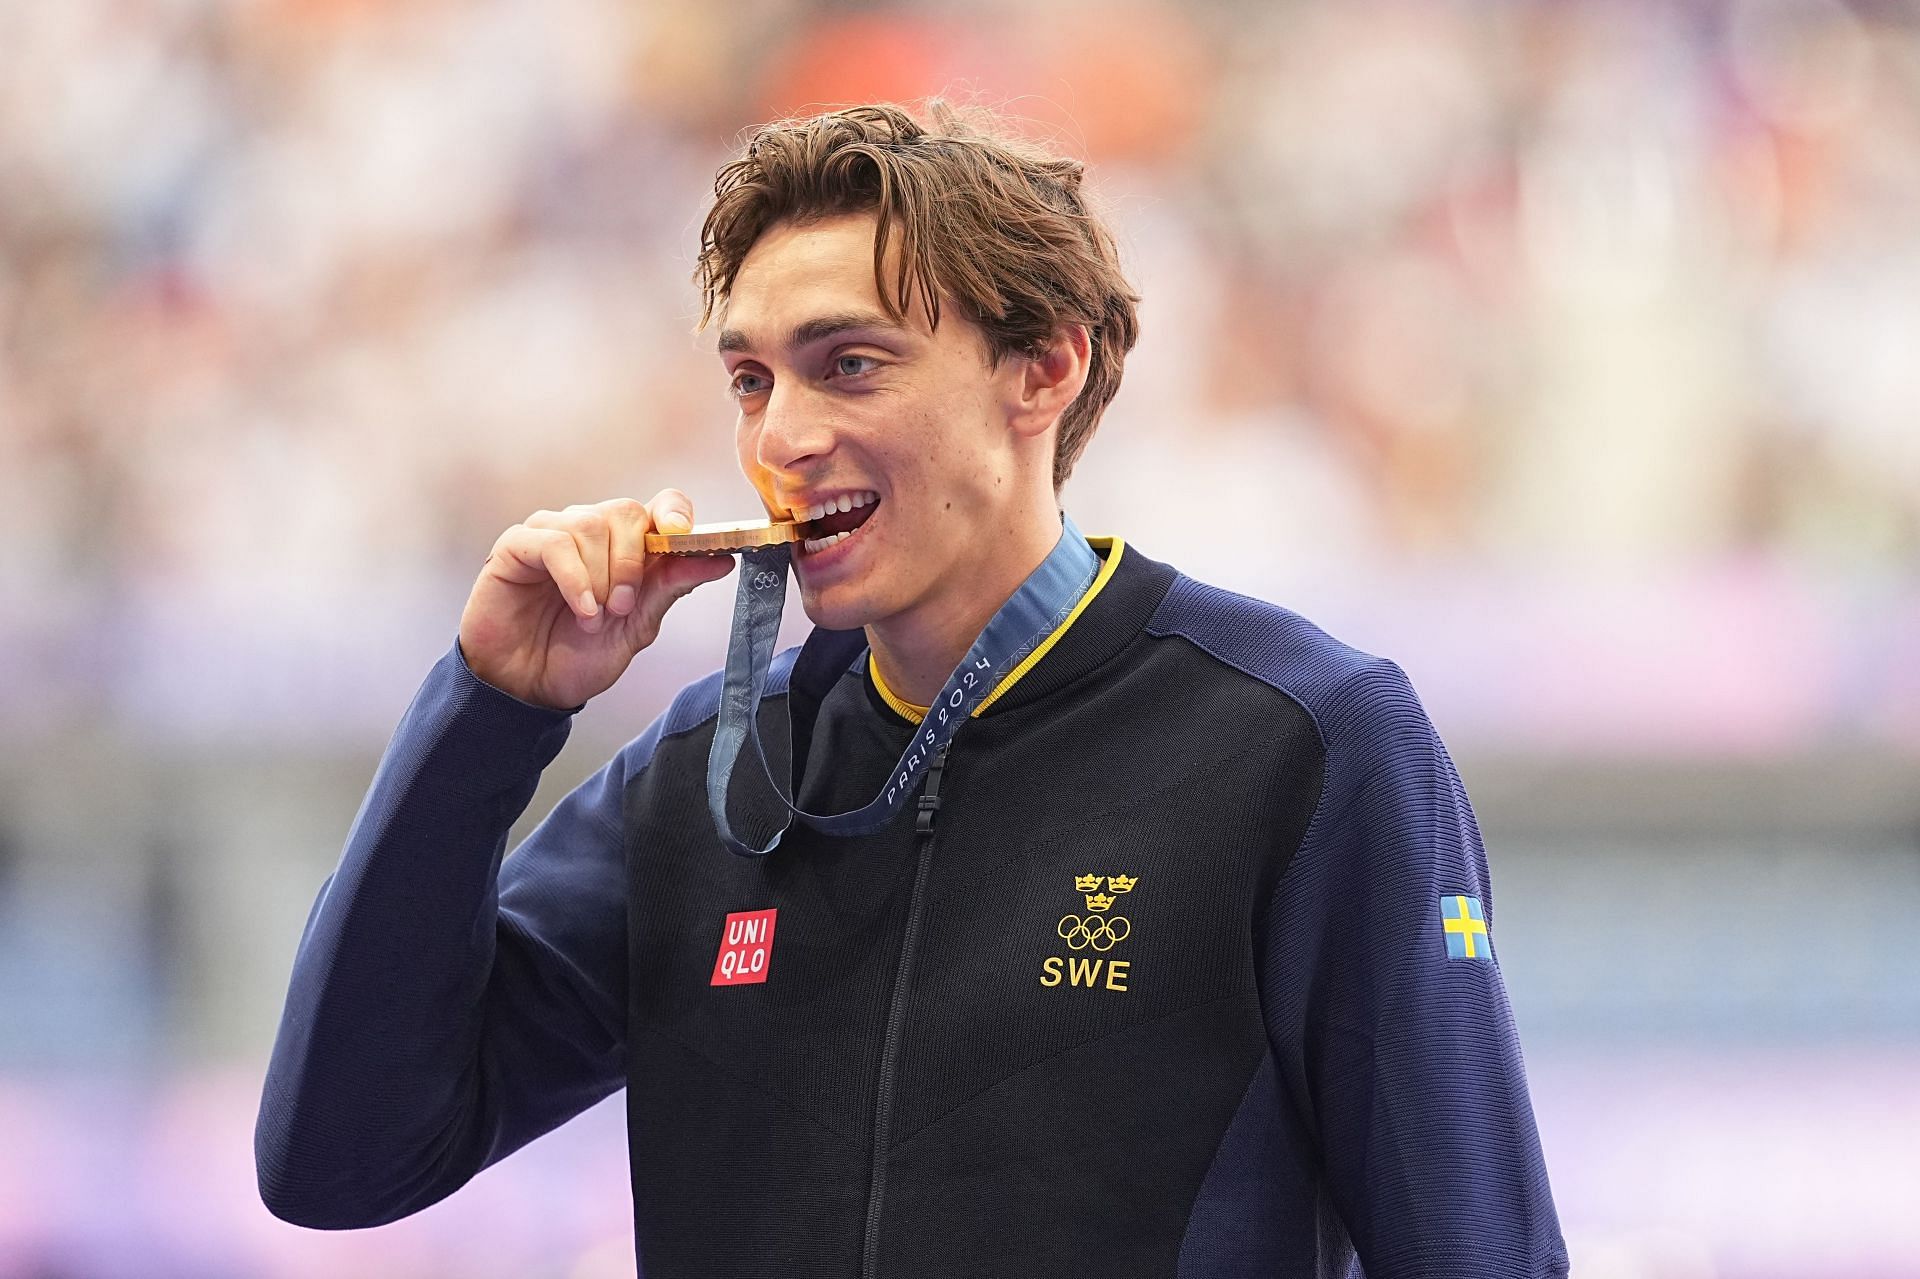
x,y
1164,948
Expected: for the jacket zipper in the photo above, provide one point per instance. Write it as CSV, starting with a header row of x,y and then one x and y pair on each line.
x,y
897,1014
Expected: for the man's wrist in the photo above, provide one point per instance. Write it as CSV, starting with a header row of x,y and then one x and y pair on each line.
x,y
468,672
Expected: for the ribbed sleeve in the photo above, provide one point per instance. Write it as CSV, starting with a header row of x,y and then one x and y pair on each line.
x,y
1405,1060
448,1005
1401,1061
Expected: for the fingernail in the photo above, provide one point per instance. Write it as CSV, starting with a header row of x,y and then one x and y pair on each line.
x,y
675,522
621,601
588,606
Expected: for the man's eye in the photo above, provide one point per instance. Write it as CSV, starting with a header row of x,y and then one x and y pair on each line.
x,y
745,384
853,365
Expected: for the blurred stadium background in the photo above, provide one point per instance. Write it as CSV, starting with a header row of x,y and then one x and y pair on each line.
x,y
1568,353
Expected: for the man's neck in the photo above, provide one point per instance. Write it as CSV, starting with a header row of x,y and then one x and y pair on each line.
x,y
918,651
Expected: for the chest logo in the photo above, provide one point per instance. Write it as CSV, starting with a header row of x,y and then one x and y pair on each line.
x,y
746,948
1093,934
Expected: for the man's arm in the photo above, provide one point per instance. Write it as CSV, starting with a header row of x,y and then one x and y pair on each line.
x,y
1397,1045
447,1005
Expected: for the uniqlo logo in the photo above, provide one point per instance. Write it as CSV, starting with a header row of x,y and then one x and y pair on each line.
x,y
746,948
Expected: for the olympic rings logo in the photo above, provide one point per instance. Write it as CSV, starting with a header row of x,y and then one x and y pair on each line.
x,y
1098,931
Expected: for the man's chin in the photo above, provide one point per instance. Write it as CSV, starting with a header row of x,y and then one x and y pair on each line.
x,y
837,608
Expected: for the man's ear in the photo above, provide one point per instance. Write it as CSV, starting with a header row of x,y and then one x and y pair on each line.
x,y
1050,381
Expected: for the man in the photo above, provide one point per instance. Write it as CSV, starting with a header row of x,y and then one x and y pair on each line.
x,y
1169,951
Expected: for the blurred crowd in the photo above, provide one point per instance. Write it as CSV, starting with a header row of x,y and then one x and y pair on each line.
x,y
303,301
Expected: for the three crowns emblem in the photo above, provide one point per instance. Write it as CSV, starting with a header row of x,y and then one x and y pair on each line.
x,y
1116,885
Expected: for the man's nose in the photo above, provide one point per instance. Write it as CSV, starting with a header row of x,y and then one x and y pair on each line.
x,y
793,429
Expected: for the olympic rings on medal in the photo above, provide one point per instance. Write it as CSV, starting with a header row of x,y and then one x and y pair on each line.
x,y
1101,932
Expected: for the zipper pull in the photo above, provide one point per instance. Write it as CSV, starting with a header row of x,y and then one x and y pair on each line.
x,y
930,797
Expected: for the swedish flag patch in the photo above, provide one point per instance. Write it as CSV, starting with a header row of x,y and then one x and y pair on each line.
x,y
1466,927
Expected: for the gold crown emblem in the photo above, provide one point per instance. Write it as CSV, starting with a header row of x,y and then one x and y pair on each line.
x,y
1098,901
1087,883
1122,883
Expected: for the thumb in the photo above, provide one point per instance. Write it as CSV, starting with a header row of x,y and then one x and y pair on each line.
x,y
689,571
676,577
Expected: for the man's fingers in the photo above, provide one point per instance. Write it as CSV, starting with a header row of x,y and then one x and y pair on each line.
x,y
672,511
596,556
672,577
587,526
627,524
691,570
528,554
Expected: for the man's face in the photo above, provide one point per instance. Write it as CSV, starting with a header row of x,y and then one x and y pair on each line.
x,y
839,403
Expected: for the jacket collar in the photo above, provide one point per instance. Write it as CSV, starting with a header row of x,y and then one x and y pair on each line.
x,y
1115,608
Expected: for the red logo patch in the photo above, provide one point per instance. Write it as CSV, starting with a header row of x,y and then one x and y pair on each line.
x,y
746,948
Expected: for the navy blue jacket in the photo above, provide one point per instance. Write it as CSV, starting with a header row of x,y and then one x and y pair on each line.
x,y
1194,974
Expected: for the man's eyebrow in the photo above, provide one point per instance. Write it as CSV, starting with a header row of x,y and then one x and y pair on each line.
x,y
810,331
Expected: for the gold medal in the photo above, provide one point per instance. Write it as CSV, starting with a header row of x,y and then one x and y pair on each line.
x,y
722,539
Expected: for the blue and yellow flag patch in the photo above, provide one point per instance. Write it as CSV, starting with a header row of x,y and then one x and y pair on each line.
x,y
1466,928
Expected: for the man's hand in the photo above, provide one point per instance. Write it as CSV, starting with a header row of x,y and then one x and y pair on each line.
x,y
567,598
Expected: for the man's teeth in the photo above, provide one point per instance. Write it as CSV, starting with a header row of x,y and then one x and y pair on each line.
x,y
844,502
813,544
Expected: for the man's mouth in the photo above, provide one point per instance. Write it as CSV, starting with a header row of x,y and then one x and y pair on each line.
x,y
834,521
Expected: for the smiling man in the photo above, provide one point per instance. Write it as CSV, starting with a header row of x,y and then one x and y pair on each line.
x,y
1128,927
947,457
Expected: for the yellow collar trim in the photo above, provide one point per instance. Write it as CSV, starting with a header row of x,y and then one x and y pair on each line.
x,y
1113,546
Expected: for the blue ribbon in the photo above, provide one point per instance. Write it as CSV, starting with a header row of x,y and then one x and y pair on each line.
x,y
1033,612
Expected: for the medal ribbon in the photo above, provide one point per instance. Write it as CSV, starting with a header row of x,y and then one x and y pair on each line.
x,y
1031,614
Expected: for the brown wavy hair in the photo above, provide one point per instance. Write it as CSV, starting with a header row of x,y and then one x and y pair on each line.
x,y
992,220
